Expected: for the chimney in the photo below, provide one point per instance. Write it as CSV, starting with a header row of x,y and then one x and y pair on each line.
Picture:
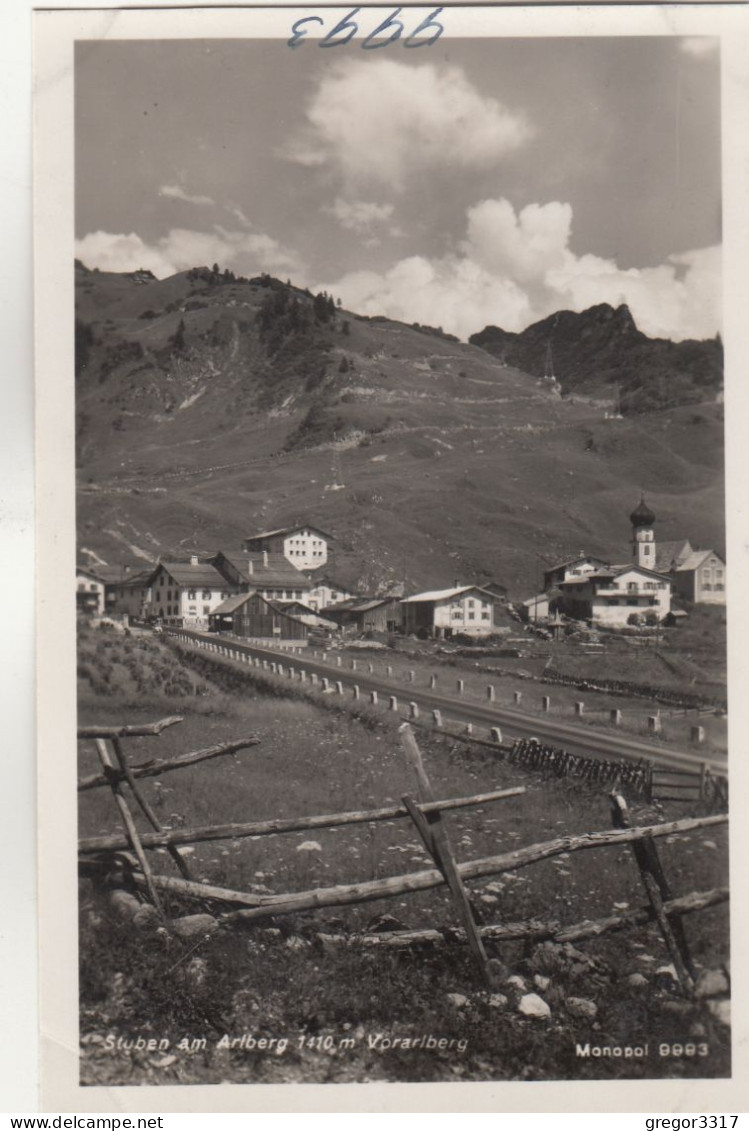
x,y
456,583
193,559
265,559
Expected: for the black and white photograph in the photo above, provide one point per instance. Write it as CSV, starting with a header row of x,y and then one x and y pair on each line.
x,y
395,364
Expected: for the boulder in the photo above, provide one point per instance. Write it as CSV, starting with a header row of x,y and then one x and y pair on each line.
x,y
721,1011
498,1001
711,983
531,1005
516,982
581,1007
193,926
460,1001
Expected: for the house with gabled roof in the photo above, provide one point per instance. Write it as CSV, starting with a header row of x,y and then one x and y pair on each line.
x,y
326,591
466,609
304,546
572,568
90,591
253,616
615,596
262,572
185,593
697,575
367,614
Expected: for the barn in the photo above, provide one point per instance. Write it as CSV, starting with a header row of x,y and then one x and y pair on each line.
x,y
253,616
367,614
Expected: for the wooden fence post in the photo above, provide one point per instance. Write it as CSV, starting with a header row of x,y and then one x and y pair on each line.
x,y
147,810
129,823
434,835
658,892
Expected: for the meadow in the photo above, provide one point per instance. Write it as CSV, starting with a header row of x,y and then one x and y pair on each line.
x,y
282,981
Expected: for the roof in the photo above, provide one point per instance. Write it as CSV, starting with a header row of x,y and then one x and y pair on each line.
x,y
576,561
619,569
331,584
642,514
668,553
444,594
359,604
109,574
537,600
231,604
289,530
278,571
696,559
201,575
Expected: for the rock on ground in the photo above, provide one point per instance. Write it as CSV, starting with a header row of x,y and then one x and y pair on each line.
x,y
711,983
581,1007
533,1006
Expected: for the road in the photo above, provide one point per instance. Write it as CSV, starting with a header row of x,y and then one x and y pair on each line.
x,y
577,738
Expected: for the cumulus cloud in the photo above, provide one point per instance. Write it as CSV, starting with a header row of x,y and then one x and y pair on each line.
x,y
182,248
700,46
174,192
360,215
380,121
514,268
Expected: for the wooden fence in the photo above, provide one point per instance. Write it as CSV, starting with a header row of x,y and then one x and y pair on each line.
x,y
129,849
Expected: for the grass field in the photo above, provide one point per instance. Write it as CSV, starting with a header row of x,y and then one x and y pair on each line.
x,y
276,980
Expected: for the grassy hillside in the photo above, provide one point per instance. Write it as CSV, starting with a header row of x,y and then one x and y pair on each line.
x,y
279,978
208,409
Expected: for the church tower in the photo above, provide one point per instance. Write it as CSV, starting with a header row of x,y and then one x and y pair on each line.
x,y
643,536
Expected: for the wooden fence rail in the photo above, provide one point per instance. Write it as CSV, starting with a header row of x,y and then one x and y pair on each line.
x,y
551,929
116,842
158,766
261,906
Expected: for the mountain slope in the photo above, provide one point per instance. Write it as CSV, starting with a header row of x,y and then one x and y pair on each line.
x,y
210,407
601,352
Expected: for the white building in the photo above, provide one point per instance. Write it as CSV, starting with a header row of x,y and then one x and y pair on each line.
x,y
306,547
616,596
326,592
184,594
467,609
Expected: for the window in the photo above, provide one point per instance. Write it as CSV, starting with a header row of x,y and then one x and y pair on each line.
x,y
720,585
456,614
632,586
719,573
471,616
646,549
206,610
190,594
706,585
485,615
206,594
471,602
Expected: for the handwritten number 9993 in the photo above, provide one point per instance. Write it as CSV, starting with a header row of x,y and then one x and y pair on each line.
x,y
391,29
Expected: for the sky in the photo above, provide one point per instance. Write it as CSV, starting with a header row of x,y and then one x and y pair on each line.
x,y
477,182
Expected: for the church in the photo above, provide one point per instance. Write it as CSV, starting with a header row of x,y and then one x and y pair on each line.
x,y
636,592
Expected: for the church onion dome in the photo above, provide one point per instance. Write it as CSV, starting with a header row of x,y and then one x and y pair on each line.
x,y
642,515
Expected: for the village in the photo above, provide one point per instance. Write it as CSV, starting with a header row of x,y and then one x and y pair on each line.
x,y
279,587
